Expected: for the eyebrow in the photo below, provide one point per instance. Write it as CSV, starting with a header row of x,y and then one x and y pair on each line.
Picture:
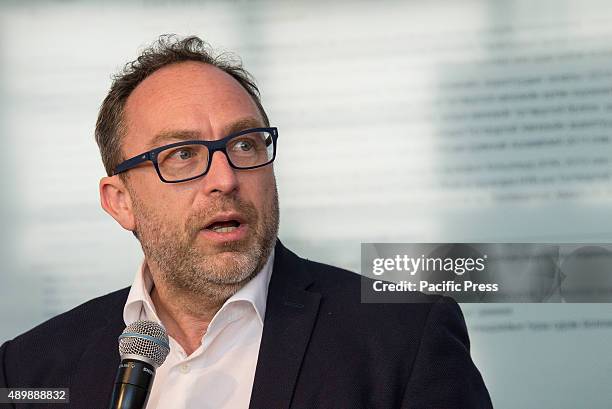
x,y
185,135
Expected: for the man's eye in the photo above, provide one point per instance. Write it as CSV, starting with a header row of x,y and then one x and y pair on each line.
x,y
242,145
183,154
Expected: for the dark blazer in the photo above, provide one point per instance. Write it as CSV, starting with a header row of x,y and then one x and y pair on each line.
x,y
321,348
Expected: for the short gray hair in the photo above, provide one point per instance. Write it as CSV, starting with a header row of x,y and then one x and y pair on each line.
x,y
168,49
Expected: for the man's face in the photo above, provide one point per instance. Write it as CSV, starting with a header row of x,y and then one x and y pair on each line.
x,y
209,235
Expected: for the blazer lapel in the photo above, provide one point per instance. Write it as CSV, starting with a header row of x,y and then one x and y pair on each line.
x,y
291,311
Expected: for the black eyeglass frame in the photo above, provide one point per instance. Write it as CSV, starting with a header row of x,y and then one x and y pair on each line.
x,y
212,146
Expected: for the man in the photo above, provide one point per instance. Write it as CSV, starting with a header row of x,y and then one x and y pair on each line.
x,y
189,149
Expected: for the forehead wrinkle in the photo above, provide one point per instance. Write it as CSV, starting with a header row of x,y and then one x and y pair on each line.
x,y
187,134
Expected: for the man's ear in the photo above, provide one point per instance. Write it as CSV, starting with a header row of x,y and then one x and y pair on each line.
x,y
116,201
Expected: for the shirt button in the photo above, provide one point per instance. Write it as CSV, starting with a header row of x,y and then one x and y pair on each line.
x,y
185,368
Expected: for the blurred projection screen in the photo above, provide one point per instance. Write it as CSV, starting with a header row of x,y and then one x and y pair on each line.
x,y
399,121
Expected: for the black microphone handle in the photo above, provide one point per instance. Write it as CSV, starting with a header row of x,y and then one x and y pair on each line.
x,y
132,385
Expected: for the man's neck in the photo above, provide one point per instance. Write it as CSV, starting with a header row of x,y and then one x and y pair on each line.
x,y
186,320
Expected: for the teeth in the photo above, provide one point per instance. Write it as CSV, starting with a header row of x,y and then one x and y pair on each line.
x,y
224,229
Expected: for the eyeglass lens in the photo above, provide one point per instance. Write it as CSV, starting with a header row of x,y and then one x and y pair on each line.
x,y
244,151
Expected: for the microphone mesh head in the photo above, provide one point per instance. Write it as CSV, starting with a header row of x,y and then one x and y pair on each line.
x,y
147,339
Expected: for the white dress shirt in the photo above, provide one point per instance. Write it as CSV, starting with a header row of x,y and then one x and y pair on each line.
x,y
219,374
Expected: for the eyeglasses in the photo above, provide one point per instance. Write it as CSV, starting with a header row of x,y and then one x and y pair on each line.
x,y
183,161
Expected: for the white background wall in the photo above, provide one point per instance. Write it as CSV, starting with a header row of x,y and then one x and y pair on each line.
x,y
458,121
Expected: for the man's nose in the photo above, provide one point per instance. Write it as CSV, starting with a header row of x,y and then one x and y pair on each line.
x,y
221,177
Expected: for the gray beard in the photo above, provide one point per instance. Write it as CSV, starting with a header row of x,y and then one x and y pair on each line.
x,y
184,270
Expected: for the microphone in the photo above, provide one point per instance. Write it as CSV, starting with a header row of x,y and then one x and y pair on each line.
x,y
143,347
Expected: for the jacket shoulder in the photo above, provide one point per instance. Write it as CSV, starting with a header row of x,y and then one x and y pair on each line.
x,y
49,352
81,319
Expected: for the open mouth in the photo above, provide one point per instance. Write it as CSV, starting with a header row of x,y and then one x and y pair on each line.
x,y
225,226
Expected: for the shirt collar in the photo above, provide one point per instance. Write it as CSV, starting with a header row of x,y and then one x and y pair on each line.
x,y
139,305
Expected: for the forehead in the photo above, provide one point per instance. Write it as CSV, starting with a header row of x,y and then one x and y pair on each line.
x,y
187,96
